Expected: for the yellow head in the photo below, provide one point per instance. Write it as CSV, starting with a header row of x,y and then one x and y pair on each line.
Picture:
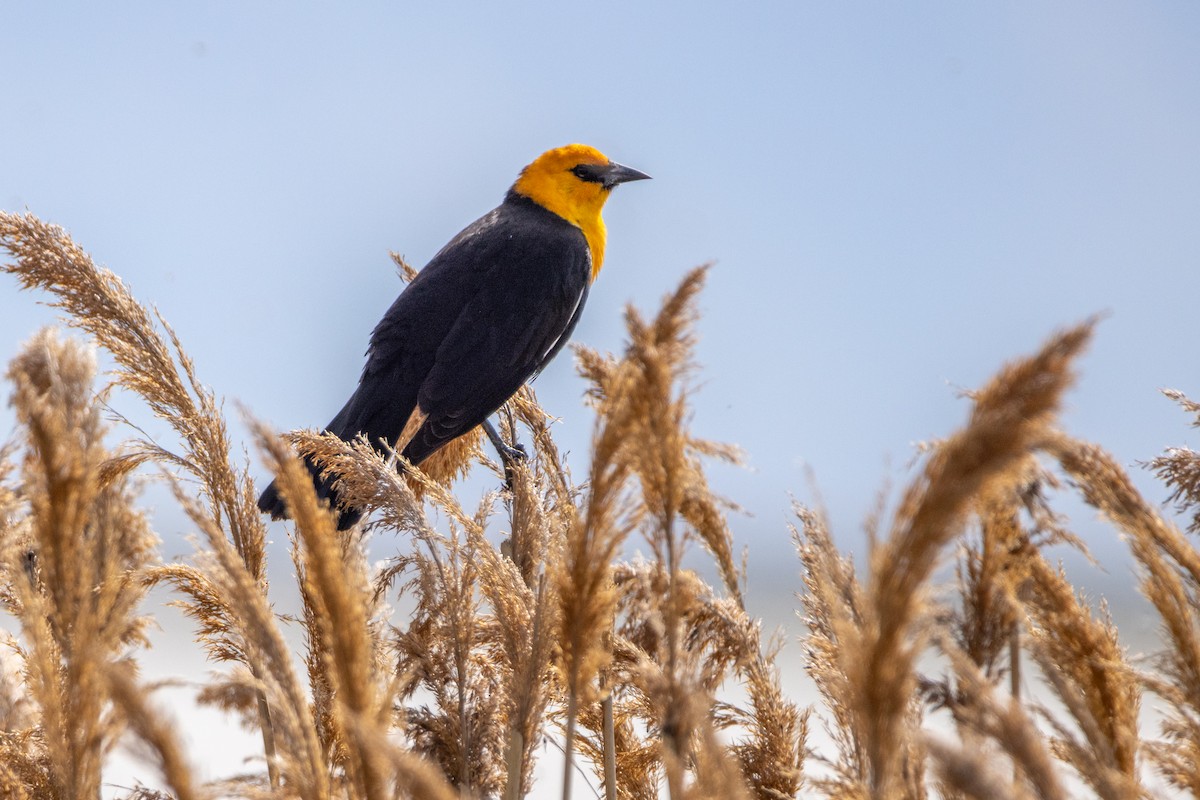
x,y
573,182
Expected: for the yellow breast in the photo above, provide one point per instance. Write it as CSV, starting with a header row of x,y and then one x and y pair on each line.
x,y
550,182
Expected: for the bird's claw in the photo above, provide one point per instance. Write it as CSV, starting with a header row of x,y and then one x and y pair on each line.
x,y
514,452
510,454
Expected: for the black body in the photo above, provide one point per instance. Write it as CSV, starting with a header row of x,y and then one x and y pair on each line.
x,y
483,317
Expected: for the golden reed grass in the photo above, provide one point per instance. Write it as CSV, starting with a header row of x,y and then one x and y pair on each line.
x,y
526,625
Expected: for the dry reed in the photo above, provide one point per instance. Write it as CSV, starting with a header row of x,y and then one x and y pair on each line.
x,y
526,624
73,571
1010,414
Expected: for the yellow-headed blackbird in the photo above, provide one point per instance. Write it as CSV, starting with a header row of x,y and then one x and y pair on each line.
x,y
484,316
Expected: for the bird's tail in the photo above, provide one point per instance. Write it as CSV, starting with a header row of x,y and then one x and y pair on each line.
x,y
271,501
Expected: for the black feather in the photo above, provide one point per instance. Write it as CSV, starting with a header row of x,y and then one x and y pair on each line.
x,y
484,316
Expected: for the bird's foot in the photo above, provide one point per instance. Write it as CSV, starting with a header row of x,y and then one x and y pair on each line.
x,y
510,455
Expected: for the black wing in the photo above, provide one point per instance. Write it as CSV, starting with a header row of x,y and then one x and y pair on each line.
x,y
487,312
405,343
519,319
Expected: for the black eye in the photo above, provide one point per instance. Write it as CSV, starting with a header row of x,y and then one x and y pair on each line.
x,y
581,172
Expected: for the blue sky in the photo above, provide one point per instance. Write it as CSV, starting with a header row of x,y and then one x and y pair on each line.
x,y
898,197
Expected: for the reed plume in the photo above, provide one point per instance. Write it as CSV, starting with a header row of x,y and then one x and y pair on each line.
x,y
524,622
73,572
1010,415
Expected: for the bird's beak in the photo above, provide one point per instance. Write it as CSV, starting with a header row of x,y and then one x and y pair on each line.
x,y
616,173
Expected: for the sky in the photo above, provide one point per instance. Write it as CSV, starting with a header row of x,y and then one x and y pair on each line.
x,y
896,198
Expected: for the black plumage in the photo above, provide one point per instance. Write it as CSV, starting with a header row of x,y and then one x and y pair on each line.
x,y
482,318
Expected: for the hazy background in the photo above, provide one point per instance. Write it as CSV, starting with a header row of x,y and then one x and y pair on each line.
x,y
897,197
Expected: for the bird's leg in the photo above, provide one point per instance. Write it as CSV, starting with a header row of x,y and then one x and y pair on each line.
x,y
509,454
513,452
512,426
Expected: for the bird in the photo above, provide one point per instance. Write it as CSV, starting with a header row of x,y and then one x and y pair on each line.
x,y
485,315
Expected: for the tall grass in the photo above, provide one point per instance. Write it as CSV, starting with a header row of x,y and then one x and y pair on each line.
x,y
525,623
